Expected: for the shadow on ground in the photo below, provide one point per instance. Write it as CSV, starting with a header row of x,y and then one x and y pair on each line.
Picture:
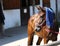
x,y
16,33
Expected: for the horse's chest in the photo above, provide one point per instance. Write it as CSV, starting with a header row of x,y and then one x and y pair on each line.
x,y
42,33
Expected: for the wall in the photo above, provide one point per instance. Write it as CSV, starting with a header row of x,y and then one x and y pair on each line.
x,y
35,9
12,18
53,6
58,1
52,2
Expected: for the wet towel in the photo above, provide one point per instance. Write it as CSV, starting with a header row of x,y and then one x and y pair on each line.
x,y
49,17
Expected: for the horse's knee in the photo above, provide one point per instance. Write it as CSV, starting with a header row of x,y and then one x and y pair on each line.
x,y
30,40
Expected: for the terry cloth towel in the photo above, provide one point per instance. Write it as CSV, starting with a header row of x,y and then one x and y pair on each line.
x,y
49,17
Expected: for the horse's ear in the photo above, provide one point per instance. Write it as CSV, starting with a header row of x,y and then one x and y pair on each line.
x,y
40,8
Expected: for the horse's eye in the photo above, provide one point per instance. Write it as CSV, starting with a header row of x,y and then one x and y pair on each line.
x,y
42,16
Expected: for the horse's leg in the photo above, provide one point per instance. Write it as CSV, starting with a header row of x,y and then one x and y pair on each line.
x,y
46,40
30,35
39,41
30,39
54,37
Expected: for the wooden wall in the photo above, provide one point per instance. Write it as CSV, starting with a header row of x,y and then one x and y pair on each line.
x,y
46,3
11,4
17,4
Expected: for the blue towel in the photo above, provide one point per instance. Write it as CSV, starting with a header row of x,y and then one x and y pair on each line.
x,y
49,17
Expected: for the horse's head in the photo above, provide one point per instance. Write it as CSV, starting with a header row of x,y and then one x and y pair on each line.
x,y
42,13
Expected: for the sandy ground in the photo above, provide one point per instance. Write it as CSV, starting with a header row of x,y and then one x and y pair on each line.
x,y
18,37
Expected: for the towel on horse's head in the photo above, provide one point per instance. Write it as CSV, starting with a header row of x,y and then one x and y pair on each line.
x,y
49,17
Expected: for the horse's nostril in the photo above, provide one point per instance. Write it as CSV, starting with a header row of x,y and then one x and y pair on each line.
x,y
38,26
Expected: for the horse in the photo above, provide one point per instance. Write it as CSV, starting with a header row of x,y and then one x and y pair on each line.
x,y
42,34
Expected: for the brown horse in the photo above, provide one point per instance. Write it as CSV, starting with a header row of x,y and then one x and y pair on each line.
x,y
43,34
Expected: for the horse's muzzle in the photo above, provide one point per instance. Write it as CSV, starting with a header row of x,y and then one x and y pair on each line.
x,y
37,29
